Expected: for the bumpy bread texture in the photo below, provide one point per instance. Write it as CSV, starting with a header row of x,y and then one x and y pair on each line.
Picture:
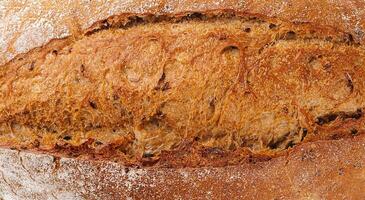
x,y
183,83
324,170
144,84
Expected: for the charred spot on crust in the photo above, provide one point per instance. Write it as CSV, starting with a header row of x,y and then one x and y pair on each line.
x,y
290,144
354,115
147,155
230,48
194,16
328,118
325,119
82,68
93,104
67,137
354,131
272,26
304,133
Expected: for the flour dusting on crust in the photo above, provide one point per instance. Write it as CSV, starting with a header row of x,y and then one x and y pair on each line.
x,y
26,24
304,173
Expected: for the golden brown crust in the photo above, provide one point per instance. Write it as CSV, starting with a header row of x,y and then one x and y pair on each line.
x,y
319,170
337,42
140,85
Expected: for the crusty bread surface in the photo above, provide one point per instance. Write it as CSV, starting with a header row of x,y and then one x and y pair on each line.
x,y
196,88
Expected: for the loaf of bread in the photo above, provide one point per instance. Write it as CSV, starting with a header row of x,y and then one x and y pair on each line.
x,y
200,99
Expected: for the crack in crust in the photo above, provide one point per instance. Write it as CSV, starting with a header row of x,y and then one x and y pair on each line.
x,y
138,88
7,183
23,166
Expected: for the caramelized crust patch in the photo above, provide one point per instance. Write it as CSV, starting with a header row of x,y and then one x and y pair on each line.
x,y
141,88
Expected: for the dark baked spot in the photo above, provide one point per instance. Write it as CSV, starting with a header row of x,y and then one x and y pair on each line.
x,y
304,133
272,26
147,155
354,115
82,69
194,16
250,159
229,49
312,59
349,84
166,86
167,7
92,104
349,39
328,118
162,84
105,24
290,144
67,137
354,131
136,19
291,35
247,30
285,141
325,119
285,110
31,66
